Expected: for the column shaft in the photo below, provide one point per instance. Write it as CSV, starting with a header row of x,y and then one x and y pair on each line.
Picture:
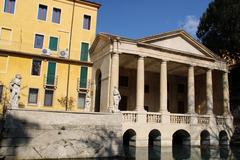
x,y
226,105
191,90
140,84
209,92
114,75
163,86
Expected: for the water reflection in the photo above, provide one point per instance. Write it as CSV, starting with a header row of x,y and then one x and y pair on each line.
x,y
179,152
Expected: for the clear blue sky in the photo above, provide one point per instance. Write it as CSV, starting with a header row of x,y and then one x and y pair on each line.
x,y
138,18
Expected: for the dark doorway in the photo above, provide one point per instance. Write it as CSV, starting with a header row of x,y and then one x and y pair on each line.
x,y
98,91
223,138
154,138
205,138
129,138
181,137
123,103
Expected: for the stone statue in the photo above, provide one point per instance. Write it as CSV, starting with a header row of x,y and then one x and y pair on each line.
x,y
14,87
116,99
87,104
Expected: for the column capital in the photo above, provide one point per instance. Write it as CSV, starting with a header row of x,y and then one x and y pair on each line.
x,y
163,61
141,57
191,65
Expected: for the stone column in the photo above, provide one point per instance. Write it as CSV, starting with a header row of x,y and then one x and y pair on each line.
x,y
140,84
163,87
225,94
191,90
114,76
209,91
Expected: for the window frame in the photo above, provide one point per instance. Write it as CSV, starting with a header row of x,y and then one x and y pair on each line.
x,y
55,72
85,95
90,22
9,13
40,73
31,103
46,12
34,38
59,15
45,98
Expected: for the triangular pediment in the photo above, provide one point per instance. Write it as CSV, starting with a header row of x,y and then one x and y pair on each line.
x,y
179,41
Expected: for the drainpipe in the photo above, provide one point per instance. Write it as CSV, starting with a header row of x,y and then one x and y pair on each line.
x,y
70,43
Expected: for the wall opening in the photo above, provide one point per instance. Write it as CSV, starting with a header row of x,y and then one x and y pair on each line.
x,y
154,138
129,138
181,137
98,91
205,138
223,138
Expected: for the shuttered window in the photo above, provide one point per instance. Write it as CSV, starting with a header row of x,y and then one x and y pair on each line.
x,y
84,51
9,6
38,43
53,43
42,12
56,15
83,77
51,73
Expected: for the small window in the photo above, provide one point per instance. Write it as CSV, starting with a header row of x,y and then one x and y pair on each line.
x,y
9,6
42,12
53,43
81,100
84,51
83,77
1,93
146,88
180,88
123,81
33,95
56,15
6,34
86,22
38,41
48,98
36,67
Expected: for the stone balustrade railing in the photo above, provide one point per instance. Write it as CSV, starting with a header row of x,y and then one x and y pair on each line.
x,y
203,119
129,116
180,118
220,120
154,118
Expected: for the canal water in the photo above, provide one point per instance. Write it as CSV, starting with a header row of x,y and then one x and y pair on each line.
x,y
179,153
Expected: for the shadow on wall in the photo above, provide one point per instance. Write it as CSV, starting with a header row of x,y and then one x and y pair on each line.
x,y
14,133
28,140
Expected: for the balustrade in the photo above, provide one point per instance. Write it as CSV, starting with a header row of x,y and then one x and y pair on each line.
x,y
180,118
153,118
129,117
220,120
203,119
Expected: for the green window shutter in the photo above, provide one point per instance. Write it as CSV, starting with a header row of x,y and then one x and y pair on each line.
x,y
83,77
84,51
53,43
51,73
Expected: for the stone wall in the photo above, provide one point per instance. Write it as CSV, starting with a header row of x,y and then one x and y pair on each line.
x,y
44,134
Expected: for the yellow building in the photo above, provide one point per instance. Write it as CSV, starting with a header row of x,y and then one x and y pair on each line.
x,y
47,42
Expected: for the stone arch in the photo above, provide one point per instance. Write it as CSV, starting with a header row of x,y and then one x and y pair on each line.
x,y
205,138
154,138
223,138
129,137
181,137
98,77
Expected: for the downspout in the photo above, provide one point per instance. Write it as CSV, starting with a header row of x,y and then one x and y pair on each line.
x,y
69,55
